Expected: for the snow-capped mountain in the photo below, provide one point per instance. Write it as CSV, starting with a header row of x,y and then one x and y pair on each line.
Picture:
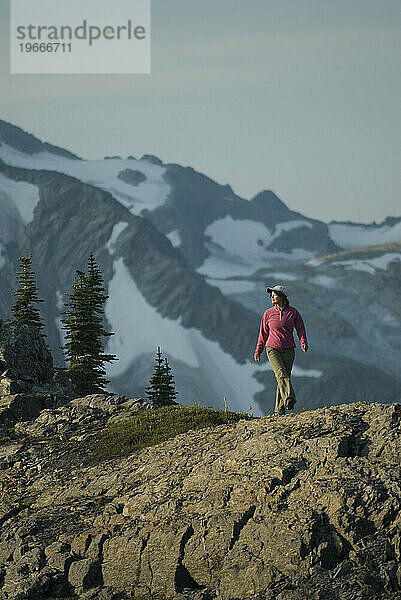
x,y
185,262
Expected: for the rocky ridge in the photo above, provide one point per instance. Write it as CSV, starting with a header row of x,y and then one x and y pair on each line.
x,y
305,505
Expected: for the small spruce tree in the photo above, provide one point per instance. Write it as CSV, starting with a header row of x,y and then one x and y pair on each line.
x,y
27,294
84,326
169,383
161,390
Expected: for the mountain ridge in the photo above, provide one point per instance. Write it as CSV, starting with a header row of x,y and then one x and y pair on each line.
x,y
19,139
196,244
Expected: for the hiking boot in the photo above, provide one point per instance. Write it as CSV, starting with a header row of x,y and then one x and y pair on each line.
x,y
280,411
290,403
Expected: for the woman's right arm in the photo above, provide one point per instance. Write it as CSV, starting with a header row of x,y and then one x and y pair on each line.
x,y
300,328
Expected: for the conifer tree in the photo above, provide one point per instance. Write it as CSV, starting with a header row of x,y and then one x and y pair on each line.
x,y
84,326
161,390
27,294
169,390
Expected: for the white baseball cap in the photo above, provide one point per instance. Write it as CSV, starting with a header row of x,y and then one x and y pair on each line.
x,y
277,288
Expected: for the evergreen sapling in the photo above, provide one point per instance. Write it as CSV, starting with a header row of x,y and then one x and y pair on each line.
x,y
27,294
161,390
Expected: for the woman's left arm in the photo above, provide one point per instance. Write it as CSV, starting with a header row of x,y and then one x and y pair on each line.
x,y
300,328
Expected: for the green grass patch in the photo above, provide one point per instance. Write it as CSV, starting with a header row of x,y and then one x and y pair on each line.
x,y
151,427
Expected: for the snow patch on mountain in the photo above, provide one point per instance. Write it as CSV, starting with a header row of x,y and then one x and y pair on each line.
x,y
325,281
117,229
248,238
240,247
174,237
370,265
299,372
39,160
23,196
60,300
240,238
349,236
219,264
139,329
149,194
288,226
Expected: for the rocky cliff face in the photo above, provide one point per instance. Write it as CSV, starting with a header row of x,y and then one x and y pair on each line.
x,y
279,508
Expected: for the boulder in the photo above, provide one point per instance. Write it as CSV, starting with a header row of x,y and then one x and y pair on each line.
x,y
22,407
59,557
84,574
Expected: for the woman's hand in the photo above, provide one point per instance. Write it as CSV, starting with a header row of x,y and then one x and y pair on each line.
x,y
304,347
257,358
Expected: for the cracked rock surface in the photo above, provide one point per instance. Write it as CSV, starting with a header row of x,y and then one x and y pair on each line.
x,y
280,508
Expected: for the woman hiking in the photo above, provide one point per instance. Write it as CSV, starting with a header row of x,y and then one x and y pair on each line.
x,y
276,333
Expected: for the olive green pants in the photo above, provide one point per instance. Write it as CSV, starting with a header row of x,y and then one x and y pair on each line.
x,y
281,362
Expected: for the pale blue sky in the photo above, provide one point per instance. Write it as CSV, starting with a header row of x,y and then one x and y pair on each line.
x,y
298,96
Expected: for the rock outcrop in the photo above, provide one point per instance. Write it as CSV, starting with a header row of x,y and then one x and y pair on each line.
x,y
25,360
22,407
280,508
26,374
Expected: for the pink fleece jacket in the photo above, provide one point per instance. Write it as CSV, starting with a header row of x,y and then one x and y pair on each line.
x,y
276,329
